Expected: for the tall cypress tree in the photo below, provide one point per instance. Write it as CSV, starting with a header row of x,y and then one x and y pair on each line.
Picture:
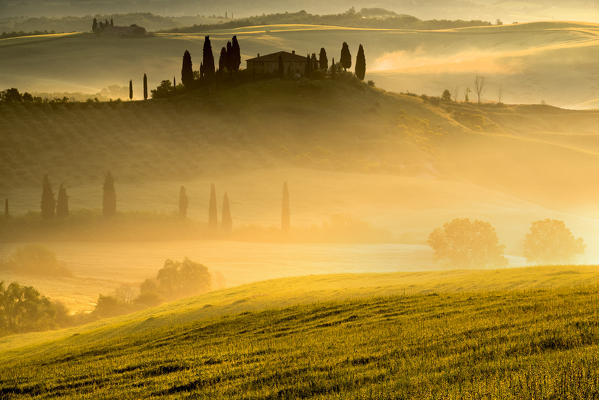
x,y
360,64
95,26
145,87
226,221
285,212
109,200
333,68
236,54
186,70
323,60
345,57
208,59
308,70
48,202
223,60
230,57
183,202
62,204
314,66
212,211
130,90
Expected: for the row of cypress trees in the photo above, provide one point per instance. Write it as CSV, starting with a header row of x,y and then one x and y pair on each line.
x,y
322,62
59,207
229,61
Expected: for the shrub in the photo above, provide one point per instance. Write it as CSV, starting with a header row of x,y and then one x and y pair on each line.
x,y
36,260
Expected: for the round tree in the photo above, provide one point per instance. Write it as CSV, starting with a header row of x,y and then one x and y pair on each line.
x,y
463,243
550,242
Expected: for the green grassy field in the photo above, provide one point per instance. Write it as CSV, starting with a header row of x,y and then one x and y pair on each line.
x,y
522,333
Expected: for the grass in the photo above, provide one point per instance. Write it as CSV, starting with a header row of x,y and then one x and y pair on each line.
x,y
460,334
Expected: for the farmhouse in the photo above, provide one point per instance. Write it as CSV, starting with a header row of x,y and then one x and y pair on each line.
x,y
269,64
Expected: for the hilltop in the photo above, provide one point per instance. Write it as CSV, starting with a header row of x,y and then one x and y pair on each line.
x,y
419,334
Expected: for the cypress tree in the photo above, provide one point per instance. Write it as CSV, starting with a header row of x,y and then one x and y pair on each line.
x,y
62,204
281,67
186,70
145,87
323,60
111,22
227,221
314,65
285,213
130,90
212,211
208,59
333,68
48,202
223,60
236,54
183,202
95,26
6,214
345,57
230,57
361,64
308,70
109,200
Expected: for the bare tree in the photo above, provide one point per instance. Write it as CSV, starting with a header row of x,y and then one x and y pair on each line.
x,y
456,92
479,86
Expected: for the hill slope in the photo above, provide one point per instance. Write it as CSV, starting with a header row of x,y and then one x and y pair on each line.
x,y
499,343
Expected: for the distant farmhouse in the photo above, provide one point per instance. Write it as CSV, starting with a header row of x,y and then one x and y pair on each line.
x,y
108,28
270,63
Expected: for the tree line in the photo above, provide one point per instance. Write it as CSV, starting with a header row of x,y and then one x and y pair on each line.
x,y
53,206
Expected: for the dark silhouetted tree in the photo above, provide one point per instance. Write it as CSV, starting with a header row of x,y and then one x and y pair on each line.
x,y
95,26
333,68
345,59
48,202
551,242
285,211
212,210
174,84
223,60
109,200
463,243
230,60
281,66
236,54
226,221
323,60
130,90
208,59
360,64
446,96
145,87
308,70
62,203
314,66
111,22
187,70
183,202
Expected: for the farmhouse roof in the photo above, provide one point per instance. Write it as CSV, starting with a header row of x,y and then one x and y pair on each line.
x,y
274,57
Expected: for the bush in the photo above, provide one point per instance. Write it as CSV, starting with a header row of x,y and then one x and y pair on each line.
x,y
36,260
467,244
178,279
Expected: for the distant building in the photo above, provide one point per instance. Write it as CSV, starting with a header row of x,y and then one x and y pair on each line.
x,y
269,64
108,28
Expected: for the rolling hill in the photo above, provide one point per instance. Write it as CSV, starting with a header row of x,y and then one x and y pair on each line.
x,y
506,334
